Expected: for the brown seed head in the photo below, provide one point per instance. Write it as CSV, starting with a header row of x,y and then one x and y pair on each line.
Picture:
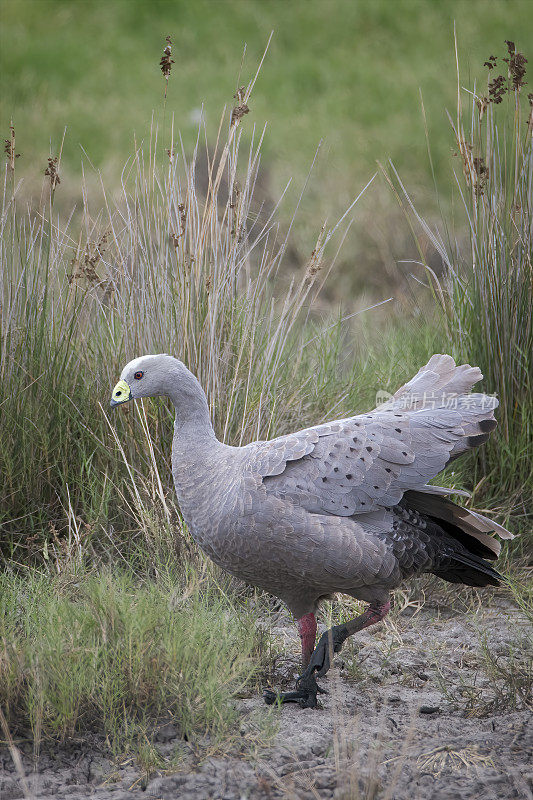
x,y
482,174
474,167
241,109
9,149
166,59
183,216
315,263
238,113
497,89
91,257
516,64
51,171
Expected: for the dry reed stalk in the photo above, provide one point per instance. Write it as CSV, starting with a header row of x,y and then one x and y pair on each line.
x,y
15,755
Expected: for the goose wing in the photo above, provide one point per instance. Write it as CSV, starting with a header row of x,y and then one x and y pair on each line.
x,y
365,463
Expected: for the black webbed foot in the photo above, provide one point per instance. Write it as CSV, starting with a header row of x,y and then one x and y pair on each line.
x,y
305,694
307,688
310,689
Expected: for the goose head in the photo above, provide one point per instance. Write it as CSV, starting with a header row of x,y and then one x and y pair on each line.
x,y
148,376
166,376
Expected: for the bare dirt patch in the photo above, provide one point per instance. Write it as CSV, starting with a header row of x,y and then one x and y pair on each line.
x,y
434,704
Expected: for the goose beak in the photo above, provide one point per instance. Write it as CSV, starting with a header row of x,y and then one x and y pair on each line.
x,y
121,394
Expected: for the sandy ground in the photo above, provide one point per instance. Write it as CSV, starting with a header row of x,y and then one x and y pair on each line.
x,y
413,711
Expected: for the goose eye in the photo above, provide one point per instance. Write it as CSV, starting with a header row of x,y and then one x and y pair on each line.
x,y
138,375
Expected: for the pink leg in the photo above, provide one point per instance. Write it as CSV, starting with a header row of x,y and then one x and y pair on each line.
x,y
371,616
331,641
317,661
307,631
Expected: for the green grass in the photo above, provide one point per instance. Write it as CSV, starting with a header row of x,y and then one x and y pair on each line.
x,y
114,654
347,71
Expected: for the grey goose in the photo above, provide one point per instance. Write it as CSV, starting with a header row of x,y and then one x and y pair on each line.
x,y
343,506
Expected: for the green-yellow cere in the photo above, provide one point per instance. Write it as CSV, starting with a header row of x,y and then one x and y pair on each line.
x,y
121,393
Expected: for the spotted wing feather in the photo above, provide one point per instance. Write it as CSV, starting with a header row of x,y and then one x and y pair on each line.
x,y
363,463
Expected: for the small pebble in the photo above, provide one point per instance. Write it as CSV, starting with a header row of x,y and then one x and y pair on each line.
x,y
428,709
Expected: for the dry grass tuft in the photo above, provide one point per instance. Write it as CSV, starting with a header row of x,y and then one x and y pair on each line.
x,y
445,757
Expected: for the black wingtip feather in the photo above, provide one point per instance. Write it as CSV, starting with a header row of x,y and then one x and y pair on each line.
x,y
470,570
487,425
479,439
471,544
